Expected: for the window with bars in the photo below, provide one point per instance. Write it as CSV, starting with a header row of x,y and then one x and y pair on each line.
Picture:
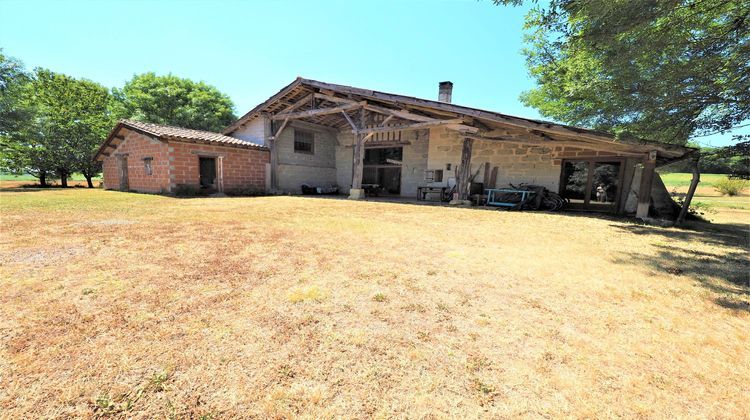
x,y
304,142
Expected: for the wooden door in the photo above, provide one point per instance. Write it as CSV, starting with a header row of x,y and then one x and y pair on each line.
x,y
124,184
207,167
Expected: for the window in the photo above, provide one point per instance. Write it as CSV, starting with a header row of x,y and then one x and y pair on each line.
x,y
304,142
147,165
434,176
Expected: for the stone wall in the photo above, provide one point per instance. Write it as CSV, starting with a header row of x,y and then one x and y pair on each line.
x,y
516,163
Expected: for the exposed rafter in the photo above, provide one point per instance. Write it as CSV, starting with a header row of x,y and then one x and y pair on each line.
x,y
407,127
334,99
404,115
296,105
355,129
551,143
318,112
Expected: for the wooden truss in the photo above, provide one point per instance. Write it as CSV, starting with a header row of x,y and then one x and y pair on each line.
x,y
467,125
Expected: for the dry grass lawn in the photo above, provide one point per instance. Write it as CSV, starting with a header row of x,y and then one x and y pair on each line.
x,y
136,305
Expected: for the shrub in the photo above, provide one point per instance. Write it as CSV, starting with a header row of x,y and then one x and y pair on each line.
x,y
188,190
731,186
244,192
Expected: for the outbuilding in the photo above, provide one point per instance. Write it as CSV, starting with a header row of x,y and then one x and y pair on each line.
x,y
145,157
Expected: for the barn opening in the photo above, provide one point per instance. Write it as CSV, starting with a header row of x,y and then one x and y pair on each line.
x,y
382,168
592,184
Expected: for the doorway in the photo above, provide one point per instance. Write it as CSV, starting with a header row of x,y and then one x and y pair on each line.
x,y
207,166
592,184
123,170
382,167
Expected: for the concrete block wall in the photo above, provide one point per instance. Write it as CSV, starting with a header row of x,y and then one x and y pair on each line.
x,y
138,147
295,168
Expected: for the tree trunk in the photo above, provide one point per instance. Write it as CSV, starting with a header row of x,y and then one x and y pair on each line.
x,y
691,191
63,178
43,178
463,182
88,180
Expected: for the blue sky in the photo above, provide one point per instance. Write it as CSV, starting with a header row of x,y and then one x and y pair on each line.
x,y
250,50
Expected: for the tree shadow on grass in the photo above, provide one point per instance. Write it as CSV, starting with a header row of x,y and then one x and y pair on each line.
x,y
727,234
726,274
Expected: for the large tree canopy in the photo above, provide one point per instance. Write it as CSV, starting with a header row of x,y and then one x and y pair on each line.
x,y
664,70
175,101
13,81
66,121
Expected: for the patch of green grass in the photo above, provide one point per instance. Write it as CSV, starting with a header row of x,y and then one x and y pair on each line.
x,y
379,297
10,177
682,179
305,294
736,203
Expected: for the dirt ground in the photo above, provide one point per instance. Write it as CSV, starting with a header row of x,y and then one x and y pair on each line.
x,y
135,305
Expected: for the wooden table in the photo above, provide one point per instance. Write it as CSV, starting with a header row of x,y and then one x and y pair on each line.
x,y
423,191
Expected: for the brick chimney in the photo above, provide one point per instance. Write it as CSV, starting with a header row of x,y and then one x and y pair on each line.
x,y
445,92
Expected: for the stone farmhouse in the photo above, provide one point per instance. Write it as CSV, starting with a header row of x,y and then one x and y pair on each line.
x,y
321,134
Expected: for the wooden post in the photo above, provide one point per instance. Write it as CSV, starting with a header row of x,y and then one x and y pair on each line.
x,y
220,173
271,143
462,182
356,192
644,192
691,191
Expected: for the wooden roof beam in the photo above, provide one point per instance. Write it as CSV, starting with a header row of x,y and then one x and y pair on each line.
x,y
404,115
553,143
296,105
334,99
318,112
456,122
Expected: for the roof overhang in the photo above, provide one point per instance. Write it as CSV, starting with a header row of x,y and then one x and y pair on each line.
x,y
115,138
332,105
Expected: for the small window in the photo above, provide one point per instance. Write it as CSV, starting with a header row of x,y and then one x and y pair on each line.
x,y
304,142
434,176
147,165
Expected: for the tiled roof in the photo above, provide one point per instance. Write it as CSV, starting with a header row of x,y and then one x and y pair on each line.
x,y
178,133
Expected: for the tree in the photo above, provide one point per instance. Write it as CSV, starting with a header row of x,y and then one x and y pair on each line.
x,y
68,120
13,80
20,148
175,101
664,70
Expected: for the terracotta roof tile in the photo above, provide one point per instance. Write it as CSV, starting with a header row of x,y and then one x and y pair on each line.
x,y
179,133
